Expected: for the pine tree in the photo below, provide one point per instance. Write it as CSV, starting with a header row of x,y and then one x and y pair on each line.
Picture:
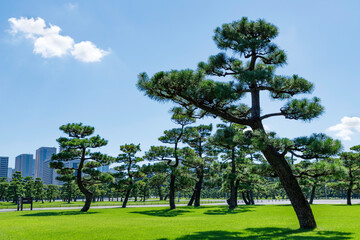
x,y
129,170
197,138
51,192
77,147
252,66
350,181
16,187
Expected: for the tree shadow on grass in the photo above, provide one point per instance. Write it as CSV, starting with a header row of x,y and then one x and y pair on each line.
x,y
267,233
163,212
224,210
64,213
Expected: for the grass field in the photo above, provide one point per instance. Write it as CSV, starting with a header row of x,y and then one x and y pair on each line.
x,y
210,222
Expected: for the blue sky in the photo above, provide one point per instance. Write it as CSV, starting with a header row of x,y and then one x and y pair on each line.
x,y
92,78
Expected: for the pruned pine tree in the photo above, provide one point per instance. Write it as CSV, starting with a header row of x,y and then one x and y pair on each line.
x,y
158,177
29,186
51,192
316,166
350,181
39,190
234,145
77,147
128,172
197,138
252,64
16,187
68,178
4,185
171,155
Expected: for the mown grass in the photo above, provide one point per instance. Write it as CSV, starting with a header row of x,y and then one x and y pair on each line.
x,y
185,223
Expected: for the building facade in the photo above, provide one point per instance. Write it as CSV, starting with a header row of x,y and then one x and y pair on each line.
x,y
42,154
47,173
10,173
24,163
4,165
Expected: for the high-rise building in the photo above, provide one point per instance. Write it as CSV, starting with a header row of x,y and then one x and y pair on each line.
x,y
4,165
10,173
48,172
42,154
25,164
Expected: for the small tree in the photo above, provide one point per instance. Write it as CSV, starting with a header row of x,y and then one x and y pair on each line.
x,y
231,141
29,185
129,169
197,138
351,179
317,147
52,192
4,185
172,155
77,146
158,178
39,190
16,187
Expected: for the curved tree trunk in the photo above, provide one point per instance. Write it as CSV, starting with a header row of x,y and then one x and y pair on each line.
x,y
88,198
300,204
87,193
191,201
126,198
245,199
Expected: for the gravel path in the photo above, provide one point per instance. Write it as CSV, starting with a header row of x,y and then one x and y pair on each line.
x,y
257,202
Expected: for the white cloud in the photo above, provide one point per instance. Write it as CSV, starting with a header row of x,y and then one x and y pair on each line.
x,y
53,45
48,42
347,127
87,52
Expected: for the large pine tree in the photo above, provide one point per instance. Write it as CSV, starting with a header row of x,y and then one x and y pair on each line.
x,y
254,59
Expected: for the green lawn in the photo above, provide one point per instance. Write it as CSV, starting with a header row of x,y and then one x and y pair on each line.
x,y
210,222
7,205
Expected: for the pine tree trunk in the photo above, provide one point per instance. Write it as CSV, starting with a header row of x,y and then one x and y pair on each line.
x,y
198,190
172,190
192,198
160,193
251,195
312,196
245,199
87,193
88,198
300,204
126,198
348,196
236,191
232,200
